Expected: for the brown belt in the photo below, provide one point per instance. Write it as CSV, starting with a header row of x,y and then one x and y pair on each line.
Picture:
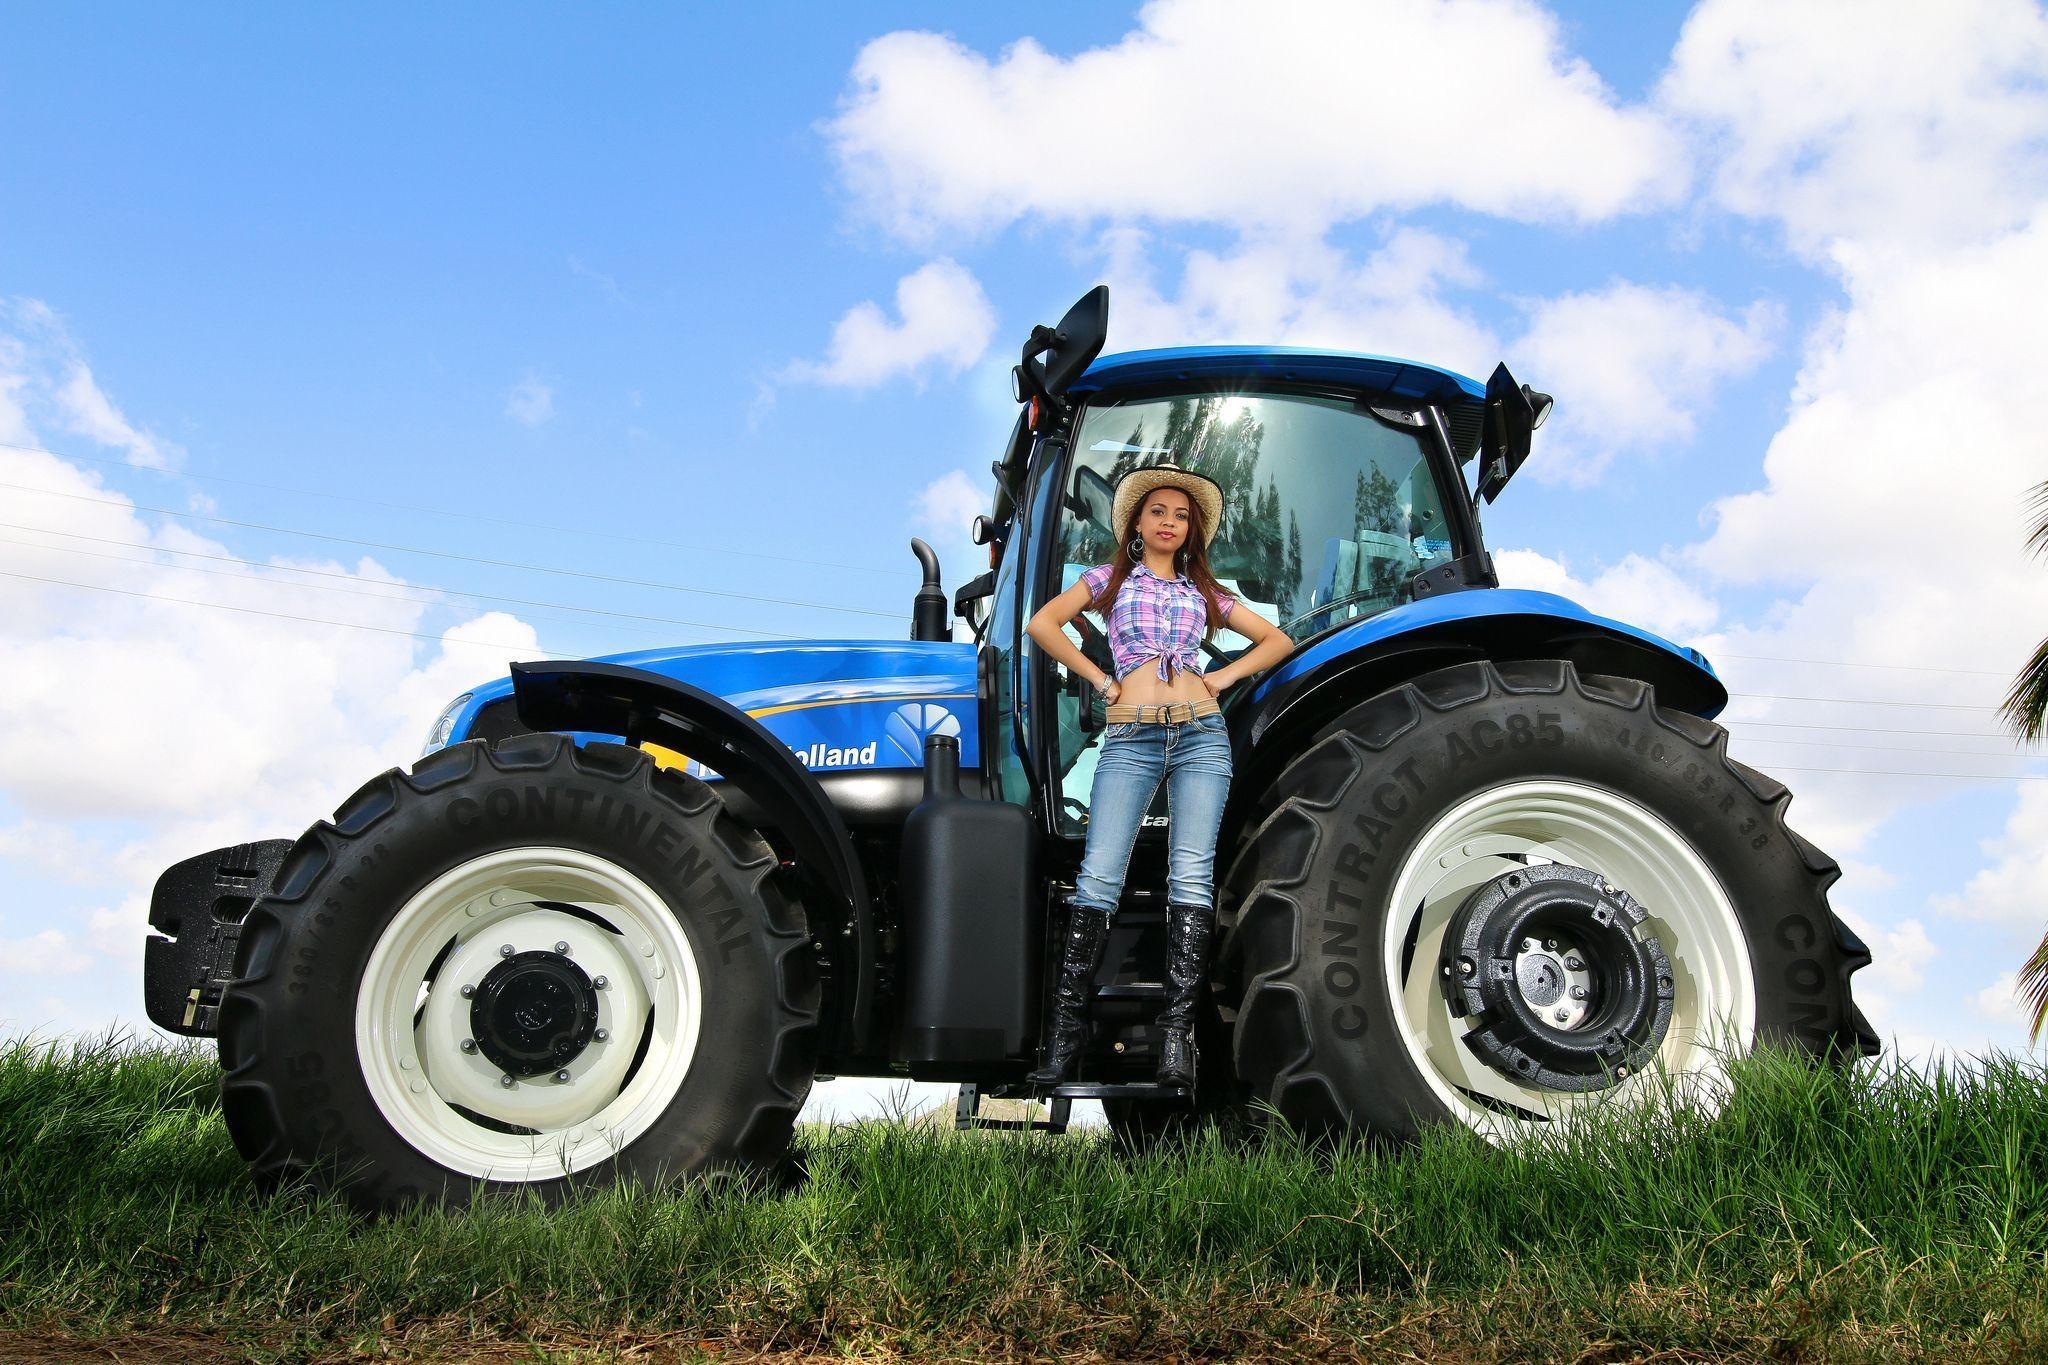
x,y
1159,713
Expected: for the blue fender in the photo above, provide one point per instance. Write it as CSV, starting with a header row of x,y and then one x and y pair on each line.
x,y
644,706
1349,665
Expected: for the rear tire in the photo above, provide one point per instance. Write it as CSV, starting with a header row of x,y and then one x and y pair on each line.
x,y
654,1018
1373,838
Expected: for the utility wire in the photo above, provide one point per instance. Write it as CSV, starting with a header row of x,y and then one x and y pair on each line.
x,y
1864,729
1866,701
446,554
275,615
1890,772
1844,663
743,631
1889,748
444,511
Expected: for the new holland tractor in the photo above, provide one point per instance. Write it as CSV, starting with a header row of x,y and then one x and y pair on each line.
x,y
1486,858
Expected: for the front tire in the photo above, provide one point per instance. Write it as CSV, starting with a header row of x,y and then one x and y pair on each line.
x,y
519,967
1375,838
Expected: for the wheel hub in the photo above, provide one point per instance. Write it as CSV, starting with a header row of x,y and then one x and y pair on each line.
x,y
1571,992
534,1012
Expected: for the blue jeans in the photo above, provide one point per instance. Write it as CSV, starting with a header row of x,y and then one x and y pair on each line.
x,y
1194,758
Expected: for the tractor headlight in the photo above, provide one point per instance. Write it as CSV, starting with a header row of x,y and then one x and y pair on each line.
x,y
444,725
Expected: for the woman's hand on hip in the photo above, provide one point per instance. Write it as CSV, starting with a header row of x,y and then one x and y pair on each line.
x,y
1112,690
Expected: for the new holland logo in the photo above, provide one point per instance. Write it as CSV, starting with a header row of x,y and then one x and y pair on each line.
x,y
822,755
908,726
902,741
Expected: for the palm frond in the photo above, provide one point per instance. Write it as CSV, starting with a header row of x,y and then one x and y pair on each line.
x,y
2033,988
2025,708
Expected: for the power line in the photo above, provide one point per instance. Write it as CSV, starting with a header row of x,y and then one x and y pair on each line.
x,y
446,554
1725,722
443,511
744,631
275,615
1844,663
1889,772
1858,701
1890,748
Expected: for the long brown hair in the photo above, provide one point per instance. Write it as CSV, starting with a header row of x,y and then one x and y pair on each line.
x,y
1192,559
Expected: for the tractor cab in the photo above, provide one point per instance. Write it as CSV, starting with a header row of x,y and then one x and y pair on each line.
x,y
1346,496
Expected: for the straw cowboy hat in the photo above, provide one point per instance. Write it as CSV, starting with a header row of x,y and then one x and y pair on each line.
x,y
1200,488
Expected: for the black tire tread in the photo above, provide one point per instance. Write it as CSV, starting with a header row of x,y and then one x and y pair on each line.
x,y
254,1116
1274,1046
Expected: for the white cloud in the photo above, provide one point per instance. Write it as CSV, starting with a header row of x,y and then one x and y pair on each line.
x,y
137,729
1892,521
1297,116
44,376
1895,121
1892,989
1290,291
531,401
2000,1002
50,952
942,319
1643,592
1633,367
2011,890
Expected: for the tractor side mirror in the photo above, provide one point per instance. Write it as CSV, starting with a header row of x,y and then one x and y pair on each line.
x,y
1068,349
1093,499
1513,412
970,602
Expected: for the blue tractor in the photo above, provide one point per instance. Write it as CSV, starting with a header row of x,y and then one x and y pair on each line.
x,y
1486,860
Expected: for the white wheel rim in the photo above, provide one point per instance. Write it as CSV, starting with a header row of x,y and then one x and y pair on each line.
x,y
1506,827
410,1027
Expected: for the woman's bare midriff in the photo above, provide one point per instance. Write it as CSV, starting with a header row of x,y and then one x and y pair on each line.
x,y
1141,686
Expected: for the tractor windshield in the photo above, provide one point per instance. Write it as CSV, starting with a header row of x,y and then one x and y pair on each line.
x,y
1329,508
1329,505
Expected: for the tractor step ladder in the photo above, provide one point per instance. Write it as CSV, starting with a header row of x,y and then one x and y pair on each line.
x,y
1059,1103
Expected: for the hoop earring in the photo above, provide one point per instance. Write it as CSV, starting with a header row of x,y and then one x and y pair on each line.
x,y
1136,549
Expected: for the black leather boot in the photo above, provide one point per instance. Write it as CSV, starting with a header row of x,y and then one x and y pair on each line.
x,y
1087,935
1188,929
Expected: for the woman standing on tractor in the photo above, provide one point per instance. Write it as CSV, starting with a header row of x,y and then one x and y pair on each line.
x,y
1160,601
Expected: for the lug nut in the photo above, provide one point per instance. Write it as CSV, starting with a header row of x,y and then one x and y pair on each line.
x,y
1573,964
469,1045
1465,967
602,982
505,951
1578,992
1564,1016
602,1034
505,1081
562,946
561,1077
1549,945
468,992
1620,1072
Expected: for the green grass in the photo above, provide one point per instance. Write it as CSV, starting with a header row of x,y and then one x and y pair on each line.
x,y
1882,1215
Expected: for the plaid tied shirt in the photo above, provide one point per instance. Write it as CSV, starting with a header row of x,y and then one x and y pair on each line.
x,y
1154,615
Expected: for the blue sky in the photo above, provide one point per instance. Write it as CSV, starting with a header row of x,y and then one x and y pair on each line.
x,y
576,275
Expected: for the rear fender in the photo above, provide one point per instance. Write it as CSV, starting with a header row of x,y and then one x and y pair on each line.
x,y
1335,673
644,707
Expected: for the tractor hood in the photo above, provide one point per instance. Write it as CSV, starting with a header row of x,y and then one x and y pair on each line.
x,y
837,704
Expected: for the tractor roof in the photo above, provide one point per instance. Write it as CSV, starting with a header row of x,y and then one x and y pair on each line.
x,y
1404,378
